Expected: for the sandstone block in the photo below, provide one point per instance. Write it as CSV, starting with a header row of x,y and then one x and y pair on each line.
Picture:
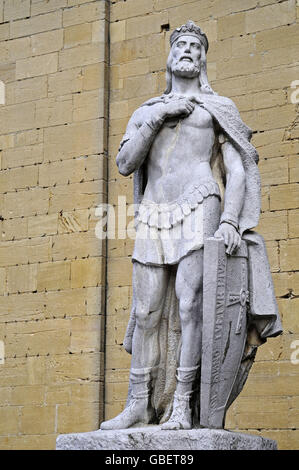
x,y
42,442
21,278
17,117
79,417
87,272
50,111
76,221
9,420
273,225
57,395
37,419
18,178
16,9
24,251
26,202
65,82
44,43
284,197
2,285
274,171
42,338
53,276
21,156
4,31
94,76
26,90
41,65
285,283
289,254
27,395
88,105
86,334
45,6
76,196
119,11
87,367
282,36
84,13
273,255
41,225
81,55
293,218
76,245
294,169
77,35
143,25
36,24
73,140
118,31
14,229
30,137
15,49
232,25
270,16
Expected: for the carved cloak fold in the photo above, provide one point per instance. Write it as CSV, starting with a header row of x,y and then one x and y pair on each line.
x,y
263,312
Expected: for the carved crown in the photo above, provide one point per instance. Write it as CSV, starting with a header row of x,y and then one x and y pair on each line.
x,y
190,29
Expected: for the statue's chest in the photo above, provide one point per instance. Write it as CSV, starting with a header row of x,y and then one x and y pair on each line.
x,y
199,119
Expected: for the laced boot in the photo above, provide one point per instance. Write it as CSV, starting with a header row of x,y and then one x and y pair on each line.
x,y
139,409
181,417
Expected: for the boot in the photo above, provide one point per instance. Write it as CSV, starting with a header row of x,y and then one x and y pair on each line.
x,y
181,417
139,408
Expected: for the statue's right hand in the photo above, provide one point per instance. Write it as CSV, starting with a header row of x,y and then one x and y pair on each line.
x,y
178,107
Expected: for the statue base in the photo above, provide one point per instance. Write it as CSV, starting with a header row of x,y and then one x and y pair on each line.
x,y
153,438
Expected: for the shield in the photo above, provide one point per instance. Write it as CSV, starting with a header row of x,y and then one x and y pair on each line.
x,y
225,297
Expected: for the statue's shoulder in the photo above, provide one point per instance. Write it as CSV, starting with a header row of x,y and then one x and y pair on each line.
x,y
219,100
153,101
144,110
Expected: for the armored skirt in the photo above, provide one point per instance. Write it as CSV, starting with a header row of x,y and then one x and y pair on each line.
x,y
165,233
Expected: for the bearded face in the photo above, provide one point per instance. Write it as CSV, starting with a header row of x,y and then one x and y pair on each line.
x,y
186,53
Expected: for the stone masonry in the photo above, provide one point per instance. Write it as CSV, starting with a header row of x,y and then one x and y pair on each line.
x,y
64,294
53,62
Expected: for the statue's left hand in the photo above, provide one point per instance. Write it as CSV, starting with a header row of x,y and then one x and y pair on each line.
x,y
230,236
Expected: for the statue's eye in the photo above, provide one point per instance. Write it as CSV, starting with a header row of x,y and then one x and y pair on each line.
x,y
181,44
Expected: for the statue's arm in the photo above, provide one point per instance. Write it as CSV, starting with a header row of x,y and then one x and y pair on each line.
x,y
141,131
235,184
233,197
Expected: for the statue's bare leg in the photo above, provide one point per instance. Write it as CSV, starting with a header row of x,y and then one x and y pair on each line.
x,y
189,292
150,285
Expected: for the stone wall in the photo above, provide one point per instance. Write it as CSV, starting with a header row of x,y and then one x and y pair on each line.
x,y
53,144
53,60
253,59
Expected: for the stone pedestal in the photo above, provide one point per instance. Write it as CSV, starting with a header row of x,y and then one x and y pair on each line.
x,y
153,438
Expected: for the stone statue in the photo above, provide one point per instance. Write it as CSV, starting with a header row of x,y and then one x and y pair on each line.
x,y
203,298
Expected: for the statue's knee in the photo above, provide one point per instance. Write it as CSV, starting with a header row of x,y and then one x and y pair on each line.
x,y
146,319
189,310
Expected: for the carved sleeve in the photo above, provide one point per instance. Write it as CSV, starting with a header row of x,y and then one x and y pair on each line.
x,y
135,145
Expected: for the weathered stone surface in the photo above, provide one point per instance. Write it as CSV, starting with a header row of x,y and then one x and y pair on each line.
x,y
153,438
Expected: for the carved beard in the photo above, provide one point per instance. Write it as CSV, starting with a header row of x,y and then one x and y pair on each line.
x,y
185,69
